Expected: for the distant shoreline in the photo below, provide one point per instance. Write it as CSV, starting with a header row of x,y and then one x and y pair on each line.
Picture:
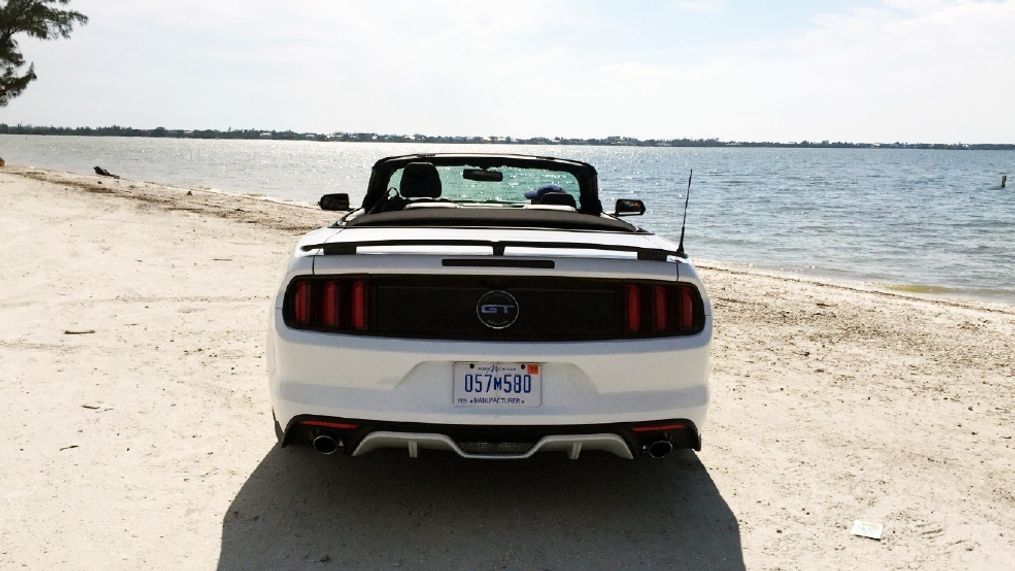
x,y
613,141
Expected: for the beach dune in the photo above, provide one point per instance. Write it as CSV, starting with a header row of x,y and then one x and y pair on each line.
x,y
138,430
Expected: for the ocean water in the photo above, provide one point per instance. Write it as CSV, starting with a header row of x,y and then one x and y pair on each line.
x,y
917,220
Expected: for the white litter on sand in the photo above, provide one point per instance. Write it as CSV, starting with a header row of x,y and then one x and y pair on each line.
x,y
867,529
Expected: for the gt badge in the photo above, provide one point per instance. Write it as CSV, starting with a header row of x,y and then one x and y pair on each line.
x,y
497,309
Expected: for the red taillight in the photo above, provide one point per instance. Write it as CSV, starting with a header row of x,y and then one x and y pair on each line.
x,y
685,315
330,305
329,424
658,427
659,305
301,303
652,309
327,304
359,305
633,309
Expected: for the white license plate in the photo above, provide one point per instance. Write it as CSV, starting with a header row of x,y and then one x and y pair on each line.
x,y
498,384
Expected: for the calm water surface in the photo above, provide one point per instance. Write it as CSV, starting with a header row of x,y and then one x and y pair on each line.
x,y
912,218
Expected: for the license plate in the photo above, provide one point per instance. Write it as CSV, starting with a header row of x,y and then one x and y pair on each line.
x,y
498,384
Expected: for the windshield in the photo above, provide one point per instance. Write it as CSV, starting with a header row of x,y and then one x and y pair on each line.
x,y
513,184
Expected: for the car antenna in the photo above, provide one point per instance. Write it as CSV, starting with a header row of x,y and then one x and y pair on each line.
x,y
680,247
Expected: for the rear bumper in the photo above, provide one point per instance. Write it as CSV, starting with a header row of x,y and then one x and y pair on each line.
x,y
356,437
410,380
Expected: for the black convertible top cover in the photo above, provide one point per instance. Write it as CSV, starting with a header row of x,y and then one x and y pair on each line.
x,y
494,217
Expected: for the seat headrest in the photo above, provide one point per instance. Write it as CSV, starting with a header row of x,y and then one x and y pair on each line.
x,y
420,180
557,198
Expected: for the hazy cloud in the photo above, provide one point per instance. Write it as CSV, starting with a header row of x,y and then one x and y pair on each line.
x,y
699,5
901,69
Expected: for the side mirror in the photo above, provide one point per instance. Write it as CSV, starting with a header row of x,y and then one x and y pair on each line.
x,y
334,202
629,207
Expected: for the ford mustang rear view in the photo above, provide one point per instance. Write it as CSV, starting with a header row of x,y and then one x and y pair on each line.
x,y
486,305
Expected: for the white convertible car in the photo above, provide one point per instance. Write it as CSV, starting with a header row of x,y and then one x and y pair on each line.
x,y
486,306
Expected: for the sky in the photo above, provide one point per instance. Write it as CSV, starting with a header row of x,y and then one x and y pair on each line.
x,y
929,71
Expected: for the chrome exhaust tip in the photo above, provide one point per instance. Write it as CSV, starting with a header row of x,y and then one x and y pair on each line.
x,y
325,444
660,448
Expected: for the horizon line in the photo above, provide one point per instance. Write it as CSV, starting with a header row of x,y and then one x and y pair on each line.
x,y
369,136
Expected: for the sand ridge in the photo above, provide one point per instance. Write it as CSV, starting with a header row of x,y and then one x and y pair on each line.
x,y
149,441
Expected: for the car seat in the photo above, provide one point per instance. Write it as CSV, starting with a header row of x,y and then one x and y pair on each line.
x,y
420,180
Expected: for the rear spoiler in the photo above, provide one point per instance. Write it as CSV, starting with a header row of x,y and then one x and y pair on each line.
x,y
498,247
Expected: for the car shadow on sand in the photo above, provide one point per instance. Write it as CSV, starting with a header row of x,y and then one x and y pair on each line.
x,y
300,509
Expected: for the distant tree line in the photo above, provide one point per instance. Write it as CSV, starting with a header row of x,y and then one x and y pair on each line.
x,y
252,134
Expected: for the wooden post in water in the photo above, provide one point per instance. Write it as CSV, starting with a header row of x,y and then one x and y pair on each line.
x,y
1004,180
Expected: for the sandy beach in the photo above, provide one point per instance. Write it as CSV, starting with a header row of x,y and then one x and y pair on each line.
x,y
138,430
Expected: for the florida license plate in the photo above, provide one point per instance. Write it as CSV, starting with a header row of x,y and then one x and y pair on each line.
x,y
498,384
